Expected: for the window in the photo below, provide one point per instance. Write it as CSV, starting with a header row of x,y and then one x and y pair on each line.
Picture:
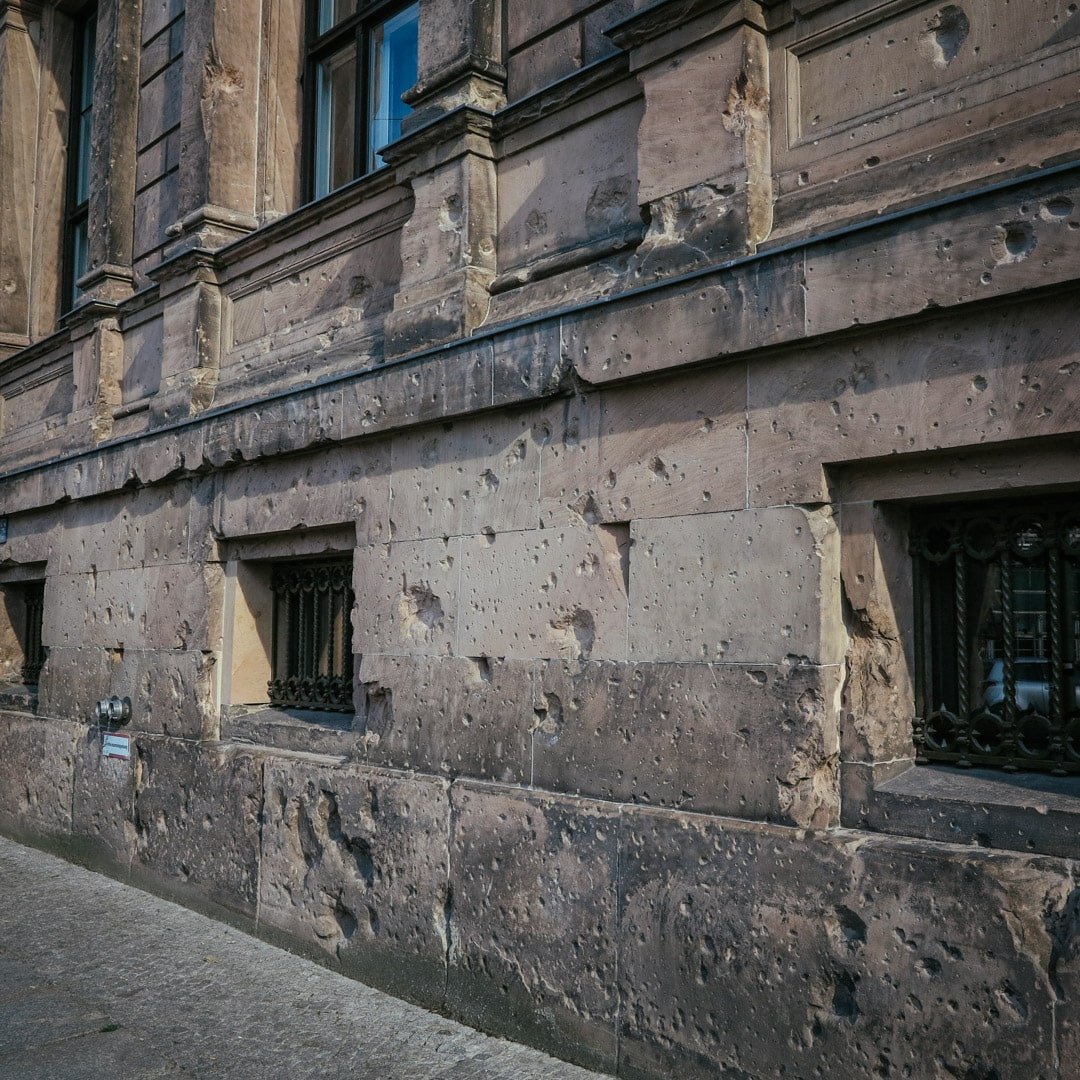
x,y
997,606
362,57
22,604
312,663
76,239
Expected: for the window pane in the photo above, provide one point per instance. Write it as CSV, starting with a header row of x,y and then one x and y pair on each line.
x,y
331,12
80,250
335,121
82,159
393,71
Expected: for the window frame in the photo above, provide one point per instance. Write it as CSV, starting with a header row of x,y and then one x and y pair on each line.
x,y
353,30
77,212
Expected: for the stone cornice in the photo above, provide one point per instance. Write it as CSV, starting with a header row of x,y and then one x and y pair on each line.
x,y
664,16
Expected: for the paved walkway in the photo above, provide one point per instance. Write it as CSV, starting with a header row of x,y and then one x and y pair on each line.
x,y
99,980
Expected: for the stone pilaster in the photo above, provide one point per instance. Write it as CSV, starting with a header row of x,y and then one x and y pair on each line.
x,y
20,37
191,353
703,145
448,248
109,277
218,124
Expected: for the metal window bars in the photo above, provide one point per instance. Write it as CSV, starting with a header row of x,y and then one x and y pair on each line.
x,y
33,650
312,648
997,621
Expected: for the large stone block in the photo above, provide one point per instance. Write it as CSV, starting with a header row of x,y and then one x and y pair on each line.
x,y
533,947
355,862
73,680
172,692
37,759
981,378
755,742
653,450
466,477
102,804
746,307
406,597
546,209
196,815
551,593
467,716
175,606
340,485
749,950
755,586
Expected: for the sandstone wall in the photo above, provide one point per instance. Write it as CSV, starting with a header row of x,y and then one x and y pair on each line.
x,y
617,389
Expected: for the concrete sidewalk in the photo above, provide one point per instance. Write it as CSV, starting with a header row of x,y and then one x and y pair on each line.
x,y
98,979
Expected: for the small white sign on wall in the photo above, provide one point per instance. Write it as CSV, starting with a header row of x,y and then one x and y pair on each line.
x,y
116,746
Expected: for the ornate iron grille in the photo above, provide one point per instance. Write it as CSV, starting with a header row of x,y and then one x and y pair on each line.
x,y
313,661
997,605
33,650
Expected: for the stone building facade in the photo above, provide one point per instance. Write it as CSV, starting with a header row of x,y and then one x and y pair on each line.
x,y
621,388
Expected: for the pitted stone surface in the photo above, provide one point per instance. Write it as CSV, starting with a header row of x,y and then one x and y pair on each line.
x,y
114,982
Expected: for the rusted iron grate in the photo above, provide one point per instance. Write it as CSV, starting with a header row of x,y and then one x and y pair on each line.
x,y
997,620
312,649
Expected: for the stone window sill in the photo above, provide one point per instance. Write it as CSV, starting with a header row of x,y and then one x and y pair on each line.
x,y
311,731
1016,812
18,697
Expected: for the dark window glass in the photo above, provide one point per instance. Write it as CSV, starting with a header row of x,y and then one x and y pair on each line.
x,y
361,60
998,635
312,650
76,254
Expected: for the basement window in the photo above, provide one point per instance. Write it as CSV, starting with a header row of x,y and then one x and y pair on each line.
x,y
312,659
997,623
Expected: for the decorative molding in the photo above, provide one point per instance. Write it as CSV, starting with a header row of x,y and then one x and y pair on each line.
x,y
666,15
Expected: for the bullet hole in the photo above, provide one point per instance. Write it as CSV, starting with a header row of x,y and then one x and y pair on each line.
x,y
1013,242
481,668
420,612
979,383
986,278
872,161
946,33
658,469
1056,209
573,633
489,481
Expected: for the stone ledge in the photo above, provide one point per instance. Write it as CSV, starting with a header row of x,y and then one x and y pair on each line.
x,y
1024,812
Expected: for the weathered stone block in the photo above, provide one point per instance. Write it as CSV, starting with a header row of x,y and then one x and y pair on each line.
x,y
172,692
533,950
37,758
547,209
673,448
468,716
72,681
755,586
552,593
749,307
998,375
466,477
450,383
343,485
102,804
857,957
196,815
757,742
406,597
355,862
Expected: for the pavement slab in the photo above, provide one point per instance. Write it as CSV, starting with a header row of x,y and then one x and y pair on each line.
x,y
101,980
